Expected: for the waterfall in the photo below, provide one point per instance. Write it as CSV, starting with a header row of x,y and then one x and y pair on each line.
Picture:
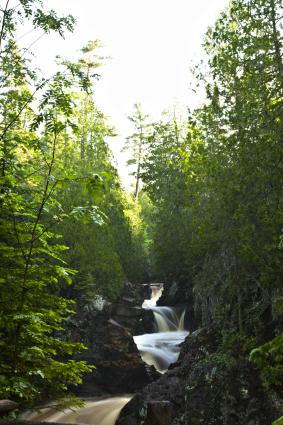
x,y
156,292
160,349
168,319
182,321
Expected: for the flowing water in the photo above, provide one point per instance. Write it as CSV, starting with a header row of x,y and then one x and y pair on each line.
x,y
156,292
162,348
159,349
95,412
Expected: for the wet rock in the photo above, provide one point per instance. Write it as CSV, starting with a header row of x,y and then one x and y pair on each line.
x,y
174,294
146,291
167,388
146,324
159,413
125,312
119,368
206,386
152,373
133,293
108,336
7,406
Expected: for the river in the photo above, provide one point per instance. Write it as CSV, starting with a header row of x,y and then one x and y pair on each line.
x,y
160,349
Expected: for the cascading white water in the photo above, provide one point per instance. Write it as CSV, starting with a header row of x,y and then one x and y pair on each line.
x,y
95,412
168,319
160,349
156,292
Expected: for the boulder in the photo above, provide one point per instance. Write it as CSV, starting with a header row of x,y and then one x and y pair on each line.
x,y
146,323
108,336
111,349
205,386
25,422
7,406
159,413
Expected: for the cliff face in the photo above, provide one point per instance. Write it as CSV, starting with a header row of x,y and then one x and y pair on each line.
x,y
206,387
108,336
209,384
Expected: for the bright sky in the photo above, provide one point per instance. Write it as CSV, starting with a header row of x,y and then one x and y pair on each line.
x,y
152,45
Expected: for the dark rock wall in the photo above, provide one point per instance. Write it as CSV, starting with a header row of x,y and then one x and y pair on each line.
x,y
205,387
107,335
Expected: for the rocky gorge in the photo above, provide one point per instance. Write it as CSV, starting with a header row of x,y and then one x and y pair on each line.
x,y
207,384
212,382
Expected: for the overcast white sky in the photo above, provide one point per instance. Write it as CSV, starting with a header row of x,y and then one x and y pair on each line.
x,y
152,44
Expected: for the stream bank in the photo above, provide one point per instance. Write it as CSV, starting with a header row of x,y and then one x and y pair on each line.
x,y
208,384
204,386
121,366
108,335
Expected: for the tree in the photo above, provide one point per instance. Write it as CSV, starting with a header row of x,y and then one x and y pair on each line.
x,y
244,138
35,358
218,192
171,148
137,142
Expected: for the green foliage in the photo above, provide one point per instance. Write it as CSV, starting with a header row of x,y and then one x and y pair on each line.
x,y
172,149
137,144
269,358
216,182
32,268
58,189
101,236
209,215
278,421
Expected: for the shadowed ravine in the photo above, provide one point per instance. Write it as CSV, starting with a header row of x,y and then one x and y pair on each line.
x,y
159,349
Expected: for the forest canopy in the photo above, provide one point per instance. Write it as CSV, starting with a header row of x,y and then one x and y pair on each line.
x,y
64,229
205,215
